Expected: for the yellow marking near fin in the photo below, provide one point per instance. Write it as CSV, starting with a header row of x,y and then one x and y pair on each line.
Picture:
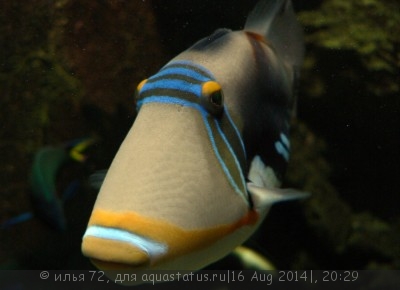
x,y
179,241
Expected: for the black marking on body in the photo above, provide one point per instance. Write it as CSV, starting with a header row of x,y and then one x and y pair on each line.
x,y
268,112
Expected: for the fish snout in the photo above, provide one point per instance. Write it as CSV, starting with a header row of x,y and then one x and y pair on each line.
x,y
112,248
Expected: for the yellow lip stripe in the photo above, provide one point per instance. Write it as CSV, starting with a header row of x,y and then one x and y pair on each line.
x,y
179,241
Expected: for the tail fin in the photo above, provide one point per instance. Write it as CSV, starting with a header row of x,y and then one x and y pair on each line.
x,y
276,21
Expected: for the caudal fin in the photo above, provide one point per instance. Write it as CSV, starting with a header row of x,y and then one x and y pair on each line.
x,y
276,21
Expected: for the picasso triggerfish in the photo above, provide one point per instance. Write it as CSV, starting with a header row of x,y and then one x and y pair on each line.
x,y
205,157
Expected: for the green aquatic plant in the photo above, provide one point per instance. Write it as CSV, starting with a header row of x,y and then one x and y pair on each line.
x,y
370,28
349,98
35,80
39,94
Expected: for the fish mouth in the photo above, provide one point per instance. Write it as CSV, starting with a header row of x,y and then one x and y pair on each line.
x,y
129,241
113,249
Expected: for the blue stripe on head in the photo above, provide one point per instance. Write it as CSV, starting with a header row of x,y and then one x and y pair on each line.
x,y
177,79
228,145
173,84
190,65
182,71
173,101
236,130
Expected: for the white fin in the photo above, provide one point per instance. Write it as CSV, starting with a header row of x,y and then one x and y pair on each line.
x,y
261,175
276,21
264,186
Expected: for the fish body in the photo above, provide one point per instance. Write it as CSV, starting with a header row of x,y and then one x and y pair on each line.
x,y
203,162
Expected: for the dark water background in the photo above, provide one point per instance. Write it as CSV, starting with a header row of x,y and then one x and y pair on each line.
x,y
68,69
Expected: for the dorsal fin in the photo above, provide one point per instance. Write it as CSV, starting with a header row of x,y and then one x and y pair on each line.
x,y
276,21
206,41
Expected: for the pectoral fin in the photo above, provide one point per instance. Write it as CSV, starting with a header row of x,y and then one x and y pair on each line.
x,y
264,197
264,187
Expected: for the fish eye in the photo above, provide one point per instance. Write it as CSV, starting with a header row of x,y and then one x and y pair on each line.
x,y
216,98
213,98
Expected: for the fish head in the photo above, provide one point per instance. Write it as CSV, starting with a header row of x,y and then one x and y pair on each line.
x,y
175,196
